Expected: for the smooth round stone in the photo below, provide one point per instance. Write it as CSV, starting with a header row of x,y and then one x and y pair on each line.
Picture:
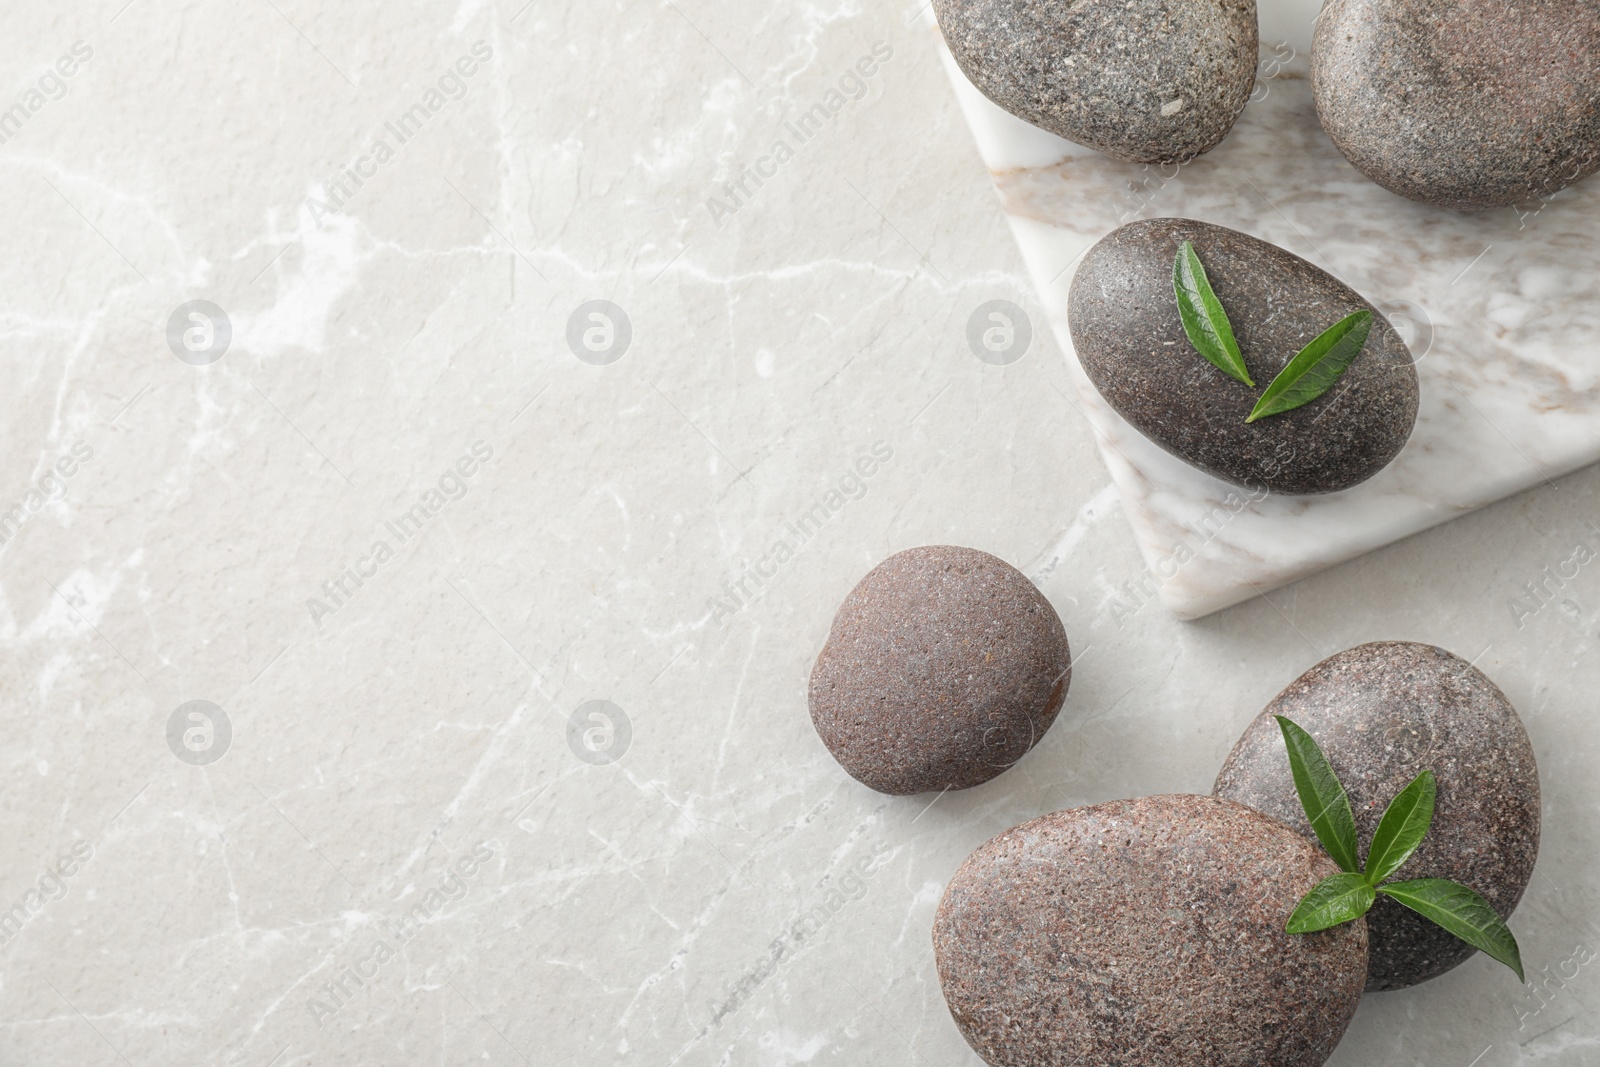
x,y
944,666
1382,713
1467,104
1145,933
1146,81
1123,317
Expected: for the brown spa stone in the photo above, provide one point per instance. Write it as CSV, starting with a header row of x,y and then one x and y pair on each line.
x,y
1382,713
1145,933
1123,317
944,666
1468,104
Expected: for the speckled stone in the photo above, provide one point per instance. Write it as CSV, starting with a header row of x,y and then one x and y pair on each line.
x,y
944,666
1123,317
1145,933
1146,81
1463,103
1382,713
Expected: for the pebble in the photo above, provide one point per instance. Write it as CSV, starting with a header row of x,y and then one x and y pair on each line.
x,y
1123,318
1382,713
1144,81
1145,933
943,667
1463,105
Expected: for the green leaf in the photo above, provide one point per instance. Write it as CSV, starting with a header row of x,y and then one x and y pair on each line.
x,y
1204,322
1463,913
1323,798
1319,364
1403,826
1339,899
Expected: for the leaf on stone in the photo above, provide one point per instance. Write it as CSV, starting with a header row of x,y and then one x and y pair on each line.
x,y
1403,826
1463,913
1339,899
1318,365
1322,796
1205,323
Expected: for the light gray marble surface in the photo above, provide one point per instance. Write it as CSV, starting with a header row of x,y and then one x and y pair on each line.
x,y
417,724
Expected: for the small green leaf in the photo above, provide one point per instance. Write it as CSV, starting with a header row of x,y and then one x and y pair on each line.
x,y
1403,826
1323,797
1319,364
1339,899
1463,913
1204,322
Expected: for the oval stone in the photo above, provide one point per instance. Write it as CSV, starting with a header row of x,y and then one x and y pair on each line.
x,y
943,667
1382,713
1467,105
1145,933
1123,316
1146,81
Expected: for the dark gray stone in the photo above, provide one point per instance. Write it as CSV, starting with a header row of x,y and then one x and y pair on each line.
x,y
1465,105
944,666
1382,713
1123,316
1146,81
1145,933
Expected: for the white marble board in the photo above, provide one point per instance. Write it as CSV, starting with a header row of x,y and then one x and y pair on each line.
x,y
1496,307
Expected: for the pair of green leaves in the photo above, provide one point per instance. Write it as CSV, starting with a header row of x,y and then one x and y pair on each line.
x,y
1307,376
1350,894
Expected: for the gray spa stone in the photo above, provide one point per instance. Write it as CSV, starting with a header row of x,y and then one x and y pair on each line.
x,y
1125,327
1382,713
1464,105
1146,81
